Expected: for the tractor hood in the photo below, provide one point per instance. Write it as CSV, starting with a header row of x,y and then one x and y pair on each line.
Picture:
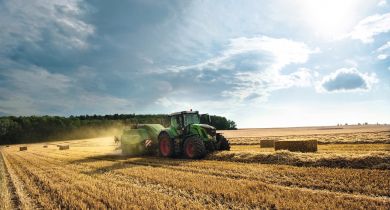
x,y
209,129
205,126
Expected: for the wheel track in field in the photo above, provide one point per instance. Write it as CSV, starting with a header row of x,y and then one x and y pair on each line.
x,y
138,182
20,197
323,192
198,197
168,165
349,199
237,176
14,198
219,202
44,188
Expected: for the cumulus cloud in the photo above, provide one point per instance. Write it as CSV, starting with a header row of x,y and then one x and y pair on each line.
x,y
382,56
371,26
382,3
38,23
39,42
259,50
344,80
384,47
254,66
383,51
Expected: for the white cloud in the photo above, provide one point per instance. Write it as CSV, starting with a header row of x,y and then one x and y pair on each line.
x,y
167,102
284,52
383,51
256,66
384,47
351,62
371,26
40,22
382,3
259,85
347,80
382,56
164,101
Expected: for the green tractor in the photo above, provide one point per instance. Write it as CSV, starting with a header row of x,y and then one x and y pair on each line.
x,y
185,137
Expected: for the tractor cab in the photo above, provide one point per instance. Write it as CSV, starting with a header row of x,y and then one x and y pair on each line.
x,y
180,120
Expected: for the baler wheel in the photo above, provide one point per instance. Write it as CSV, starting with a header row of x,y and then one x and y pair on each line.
x,y
166,145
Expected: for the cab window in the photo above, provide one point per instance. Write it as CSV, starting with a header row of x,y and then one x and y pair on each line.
x,y
174,122
191,119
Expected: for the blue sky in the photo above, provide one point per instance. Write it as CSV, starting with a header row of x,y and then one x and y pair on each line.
x,y
259,63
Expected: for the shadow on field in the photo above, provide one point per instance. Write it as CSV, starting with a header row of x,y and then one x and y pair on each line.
x,y
122,161
106,169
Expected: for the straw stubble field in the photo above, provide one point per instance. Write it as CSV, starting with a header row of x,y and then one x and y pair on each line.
x,y
92,174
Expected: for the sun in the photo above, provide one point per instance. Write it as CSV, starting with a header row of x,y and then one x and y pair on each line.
x,y
330,18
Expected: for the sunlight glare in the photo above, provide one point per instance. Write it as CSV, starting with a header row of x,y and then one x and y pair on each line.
x,y
330,18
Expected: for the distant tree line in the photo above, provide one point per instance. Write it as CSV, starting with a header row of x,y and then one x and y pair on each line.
x,y
16,130
221,123
360,124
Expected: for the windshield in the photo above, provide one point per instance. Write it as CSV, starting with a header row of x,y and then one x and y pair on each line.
x,y
191,119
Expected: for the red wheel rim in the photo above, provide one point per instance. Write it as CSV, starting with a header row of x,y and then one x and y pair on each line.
x,y
165,147
190,149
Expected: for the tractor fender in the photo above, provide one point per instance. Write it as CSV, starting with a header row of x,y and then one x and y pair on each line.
x,y
170,133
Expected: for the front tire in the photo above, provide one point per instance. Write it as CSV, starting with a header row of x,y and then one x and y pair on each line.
x,y
194,148
166,145
224,144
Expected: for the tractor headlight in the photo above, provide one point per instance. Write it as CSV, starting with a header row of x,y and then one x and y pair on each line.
x,y
210,131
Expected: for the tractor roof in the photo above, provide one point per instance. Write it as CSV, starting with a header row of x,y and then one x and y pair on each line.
x,y
184,112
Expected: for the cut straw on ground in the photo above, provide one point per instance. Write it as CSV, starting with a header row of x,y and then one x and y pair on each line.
x,y
373,160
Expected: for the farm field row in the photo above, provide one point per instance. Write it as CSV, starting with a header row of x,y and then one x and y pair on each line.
x,y
382,137
93,175
294,131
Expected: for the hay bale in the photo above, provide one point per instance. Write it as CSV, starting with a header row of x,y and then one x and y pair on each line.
x,y
297,146
267,143
22,148
44,146
63,147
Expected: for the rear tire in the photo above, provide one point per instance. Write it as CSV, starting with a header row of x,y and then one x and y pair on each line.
x,y
166,145
194,148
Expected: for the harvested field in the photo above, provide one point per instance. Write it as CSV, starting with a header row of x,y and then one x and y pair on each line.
x,y
343,135
5,196
373,160
93,175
